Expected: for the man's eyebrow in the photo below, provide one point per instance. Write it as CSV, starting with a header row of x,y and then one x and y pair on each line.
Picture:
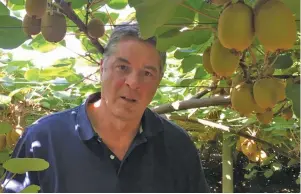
x,y
123,60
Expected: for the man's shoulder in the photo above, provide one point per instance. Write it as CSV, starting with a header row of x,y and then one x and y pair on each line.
x,y
57,120
174,134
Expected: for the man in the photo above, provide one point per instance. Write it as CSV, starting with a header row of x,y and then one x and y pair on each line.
x,y
113,142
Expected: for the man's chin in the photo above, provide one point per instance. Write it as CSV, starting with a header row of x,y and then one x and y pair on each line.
x,y
126,114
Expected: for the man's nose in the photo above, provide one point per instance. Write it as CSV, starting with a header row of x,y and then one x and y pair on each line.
x,y
133,80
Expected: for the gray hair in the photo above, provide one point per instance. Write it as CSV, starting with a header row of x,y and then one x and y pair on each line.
x,y
128,30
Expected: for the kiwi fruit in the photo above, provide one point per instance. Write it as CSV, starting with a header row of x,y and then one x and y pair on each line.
x,y
275,25
224,62
36,8
206,61
265,93
95,28
242,99
54,26
235,26
31,25
266,117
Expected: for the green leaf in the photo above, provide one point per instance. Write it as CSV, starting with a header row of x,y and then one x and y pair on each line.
x,y
31,189
208,10
268,173
293,93
251,174
76,4
283,61
102,16
190,62
3,9
292,162
4,156
200,72
184,39
23,165
152,15
250,166
11,32
195,3
40,44
181,17
298,180
5,127
17,2
276,166
32,74
117,4
4,99
183,52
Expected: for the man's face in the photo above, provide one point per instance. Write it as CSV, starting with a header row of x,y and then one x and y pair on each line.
x,y
130,77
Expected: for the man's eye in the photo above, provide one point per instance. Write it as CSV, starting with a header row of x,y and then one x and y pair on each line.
x,y
123,67
148,73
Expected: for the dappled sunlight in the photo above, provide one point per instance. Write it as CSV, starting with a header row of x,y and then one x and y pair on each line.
x,y
229,162
214,125
228,177
176,105
35,144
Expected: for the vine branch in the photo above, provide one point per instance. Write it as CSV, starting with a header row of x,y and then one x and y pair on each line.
x,y
192,103
69,12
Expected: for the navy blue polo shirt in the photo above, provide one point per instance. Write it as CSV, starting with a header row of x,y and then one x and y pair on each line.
x,y
161,158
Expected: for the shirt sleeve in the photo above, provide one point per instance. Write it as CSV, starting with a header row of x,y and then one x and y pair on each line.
x,y
15,184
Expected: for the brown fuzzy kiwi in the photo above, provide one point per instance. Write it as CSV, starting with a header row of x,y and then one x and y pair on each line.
x,y
31,25
54,26
36,8
275,25
96,28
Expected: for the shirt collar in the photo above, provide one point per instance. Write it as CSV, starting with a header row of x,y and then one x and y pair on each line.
x,y
151,123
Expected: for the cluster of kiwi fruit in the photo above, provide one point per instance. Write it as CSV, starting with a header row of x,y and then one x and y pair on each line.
x,y
273,24
250,149
42,17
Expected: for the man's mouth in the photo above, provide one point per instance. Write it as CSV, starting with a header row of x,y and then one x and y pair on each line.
x,y
128,99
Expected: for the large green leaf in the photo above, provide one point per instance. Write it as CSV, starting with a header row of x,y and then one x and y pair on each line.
x,y
150,16
210,14
11,32
40,44
117,4
293,93
5,127
32,74
4,156
200,72
77,3
283,61
31,189
17,2
184,39
190,62
23,165
182,17
3,9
